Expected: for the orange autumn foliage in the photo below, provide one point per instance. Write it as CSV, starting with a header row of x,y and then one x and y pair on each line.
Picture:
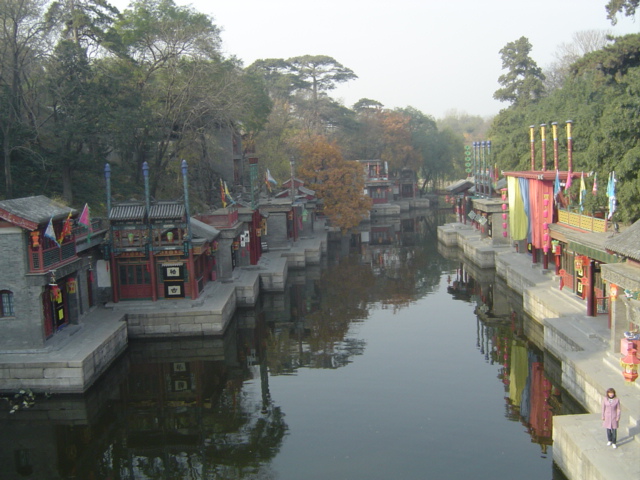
x,y
337,182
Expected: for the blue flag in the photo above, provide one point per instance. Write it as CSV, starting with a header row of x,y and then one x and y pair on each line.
x,y
50,233
611,193
556,187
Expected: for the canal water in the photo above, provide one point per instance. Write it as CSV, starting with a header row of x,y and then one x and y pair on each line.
x,y
393,359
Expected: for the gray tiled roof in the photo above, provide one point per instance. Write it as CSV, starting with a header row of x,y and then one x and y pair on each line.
x,y
162,210
626,243
135,211
38,209
127,211
202,230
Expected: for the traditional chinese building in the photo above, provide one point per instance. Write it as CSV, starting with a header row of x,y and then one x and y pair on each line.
x,y
48,260
156,250
377,184
623,278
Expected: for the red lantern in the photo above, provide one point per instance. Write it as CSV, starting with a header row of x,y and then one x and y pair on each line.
x,y
55,291
35,239
629,363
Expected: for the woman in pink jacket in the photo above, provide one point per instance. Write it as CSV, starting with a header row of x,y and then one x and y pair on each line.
x,y
611,416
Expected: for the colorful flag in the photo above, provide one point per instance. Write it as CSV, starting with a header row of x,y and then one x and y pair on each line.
x,y
556,188
594,190
50,233
583,192
85,219
222,195
66,229
567,185
269,180
611,193
227,194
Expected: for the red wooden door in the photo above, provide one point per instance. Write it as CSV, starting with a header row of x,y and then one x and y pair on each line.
x,y
135,281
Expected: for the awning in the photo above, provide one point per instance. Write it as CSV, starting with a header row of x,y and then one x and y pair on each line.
x,y
593,253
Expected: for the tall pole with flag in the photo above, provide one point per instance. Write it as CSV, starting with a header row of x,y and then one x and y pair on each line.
x,y
569,159
583,192
611,193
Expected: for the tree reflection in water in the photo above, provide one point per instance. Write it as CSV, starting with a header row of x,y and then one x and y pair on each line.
x,y
202,409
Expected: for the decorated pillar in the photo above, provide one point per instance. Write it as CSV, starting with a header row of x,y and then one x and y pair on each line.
x,y
533,147
543,138
151,261
505,207
554,129
569,147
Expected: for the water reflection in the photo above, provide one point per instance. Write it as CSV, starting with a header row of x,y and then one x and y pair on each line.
x,y
201,408
533,393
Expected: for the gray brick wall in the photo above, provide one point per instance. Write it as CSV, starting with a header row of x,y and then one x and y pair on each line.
x,y
25,329
277,230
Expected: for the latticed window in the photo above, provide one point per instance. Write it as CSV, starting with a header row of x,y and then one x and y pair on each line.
x,y
6,303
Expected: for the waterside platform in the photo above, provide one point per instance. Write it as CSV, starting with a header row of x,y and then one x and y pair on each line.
x,y
79,354
582,345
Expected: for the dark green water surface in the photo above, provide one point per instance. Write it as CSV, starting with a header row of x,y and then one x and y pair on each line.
x,y
393,360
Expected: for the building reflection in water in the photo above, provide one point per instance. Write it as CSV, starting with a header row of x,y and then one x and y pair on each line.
x,y
167,409
533,394
202,408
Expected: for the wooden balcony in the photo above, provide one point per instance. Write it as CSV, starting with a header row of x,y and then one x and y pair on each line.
x,y
45,259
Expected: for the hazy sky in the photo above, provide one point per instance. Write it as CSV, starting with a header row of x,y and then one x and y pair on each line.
x,y
434,55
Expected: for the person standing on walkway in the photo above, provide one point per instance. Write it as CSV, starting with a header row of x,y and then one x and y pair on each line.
x,y
611,416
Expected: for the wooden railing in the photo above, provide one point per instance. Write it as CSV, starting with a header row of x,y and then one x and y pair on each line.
x,y
583,222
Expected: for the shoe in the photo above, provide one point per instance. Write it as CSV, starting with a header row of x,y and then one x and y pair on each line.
x,y
608,444
615,446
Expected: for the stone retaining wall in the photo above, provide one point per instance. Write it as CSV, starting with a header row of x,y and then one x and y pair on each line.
x,y
64,376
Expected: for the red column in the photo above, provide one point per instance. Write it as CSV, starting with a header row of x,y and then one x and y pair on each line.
x,y
591,304
154,277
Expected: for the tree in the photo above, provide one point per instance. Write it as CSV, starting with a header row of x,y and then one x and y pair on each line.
x,y
612,60
175,53
70,136
280,82
339,184
316,75
523,82
618,6
397,142
319,73
366,105
471,127
442,156
583,42
21,34
87,23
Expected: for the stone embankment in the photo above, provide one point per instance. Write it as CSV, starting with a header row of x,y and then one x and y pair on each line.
x,y
582,345
79,354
